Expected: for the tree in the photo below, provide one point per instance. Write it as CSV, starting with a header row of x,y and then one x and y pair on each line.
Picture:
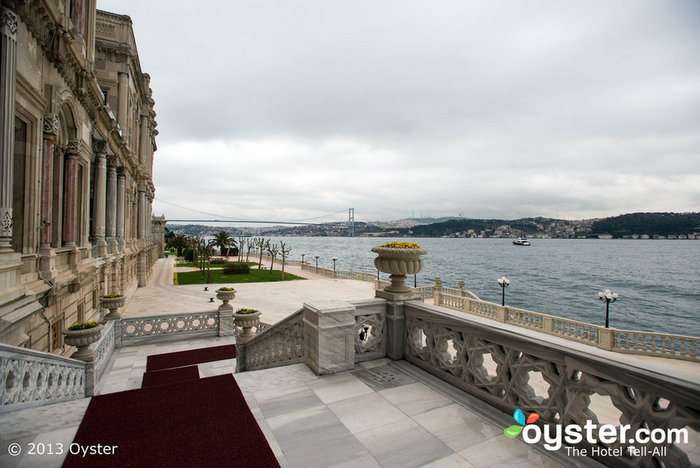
x,y
179,242
249,244
284,250
273,250
262,245
222,240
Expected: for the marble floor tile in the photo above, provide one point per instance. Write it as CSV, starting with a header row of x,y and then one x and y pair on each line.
x,y
311,428
330,453
332,388
502,451
290,403
403,444
415,399
451,461
457,427
365,412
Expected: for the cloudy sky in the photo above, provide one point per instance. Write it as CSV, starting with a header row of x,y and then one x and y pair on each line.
x,y
290,110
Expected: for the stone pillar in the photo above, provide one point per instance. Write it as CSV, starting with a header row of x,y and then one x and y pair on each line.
x,y
121,187
122,93
329,335
111,221
144,141
70,194
49,136
8,32
141,226
395,330
100,198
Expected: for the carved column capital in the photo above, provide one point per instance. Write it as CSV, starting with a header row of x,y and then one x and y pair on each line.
x,y
121,172
73,148
8,23
112,160
100,147
50,127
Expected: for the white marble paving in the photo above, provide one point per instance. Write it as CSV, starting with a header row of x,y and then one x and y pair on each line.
x,y
309,420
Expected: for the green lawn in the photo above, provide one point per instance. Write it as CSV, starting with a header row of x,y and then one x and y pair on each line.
x,y
183,263
217,276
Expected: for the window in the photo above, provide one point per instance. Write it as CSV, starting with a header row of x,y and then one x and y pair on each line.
x,y
56,336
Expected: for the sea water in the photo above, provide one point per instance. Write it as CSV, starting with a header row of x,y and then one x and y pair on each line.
x,y
658,280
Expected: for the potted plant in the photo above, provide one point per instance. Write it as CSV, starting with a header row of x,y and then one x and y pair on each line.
x,y
399,259
246,319
225,294
82,335
113,302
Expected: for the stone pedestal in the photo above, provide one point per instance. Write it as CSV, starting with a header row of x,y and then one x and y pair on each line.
x,y
395,330
329,328
226,325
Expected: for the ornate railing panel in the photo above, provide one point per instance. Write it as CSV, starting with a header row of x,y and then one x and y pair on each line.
x,y
279,345
136,330
624,341
104,349
658,344
459,351
31,378
370,333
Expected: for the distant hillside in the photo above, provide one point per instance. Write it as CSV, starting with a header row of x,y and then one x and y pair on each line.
x,y
662,224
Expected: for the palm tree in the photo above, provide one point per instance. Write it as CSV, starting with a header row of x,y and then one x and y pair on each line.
x,y
222,240
179,242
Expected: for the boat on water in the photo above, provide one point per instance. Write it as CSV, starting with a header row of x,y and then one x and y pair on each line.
x,y
521,241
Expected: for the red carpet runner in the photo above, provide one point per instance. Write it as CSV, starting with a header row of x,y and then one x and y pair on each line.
x,y
198,423
187,358
170,376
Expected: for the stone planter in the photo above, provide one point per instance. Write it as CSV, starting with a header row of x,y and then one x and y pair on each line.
x,y
225,295
113,304
82,339
398,262
246,322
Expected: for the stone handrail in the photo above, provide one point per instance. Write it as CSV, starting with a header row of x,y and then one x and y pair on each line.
x,y
624,341
279,345
31,378
104,348
560,382
137,330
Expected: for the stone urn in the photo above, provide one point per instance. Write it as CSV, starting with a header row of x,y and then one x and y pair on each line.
x,y
82,339
226,295
398,262
112,302
246,321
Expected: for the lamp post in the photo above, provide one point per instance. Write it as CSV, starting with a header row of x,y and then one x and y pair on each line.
x,y
302,259
334,260
503,282
607,296
316,256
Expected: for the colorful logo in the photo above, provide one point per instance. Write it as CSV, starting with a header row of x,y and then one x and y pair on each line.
x,y
513,431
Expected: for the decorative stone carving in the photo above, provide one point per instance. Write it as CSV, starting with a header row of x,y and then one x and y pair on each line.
x,y
74,147
8,22
398,262
51,126
281,344
30,378
369,333
133,328
496,369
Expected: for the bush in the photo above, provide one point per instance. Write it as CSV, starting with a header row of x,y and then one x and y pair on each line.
x,y
236,269
218,261
188,254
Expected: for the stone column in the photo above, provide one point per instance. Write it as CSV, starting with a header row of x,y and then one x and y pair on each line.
x,y
144,141
100,198
329,336
8,32
49,136
70,194
141,228
121,187
122,93
111,221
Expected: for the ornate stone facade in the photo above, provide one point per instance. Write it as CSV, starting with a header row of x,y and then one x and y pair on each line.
x,y
78,138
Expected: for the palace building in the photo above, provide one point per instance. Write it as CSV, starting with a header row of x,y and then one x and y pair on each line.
x,y
78,140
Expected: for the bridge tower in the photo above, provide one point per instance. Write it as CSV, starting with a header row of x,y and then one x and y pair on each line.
x,y
351,222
